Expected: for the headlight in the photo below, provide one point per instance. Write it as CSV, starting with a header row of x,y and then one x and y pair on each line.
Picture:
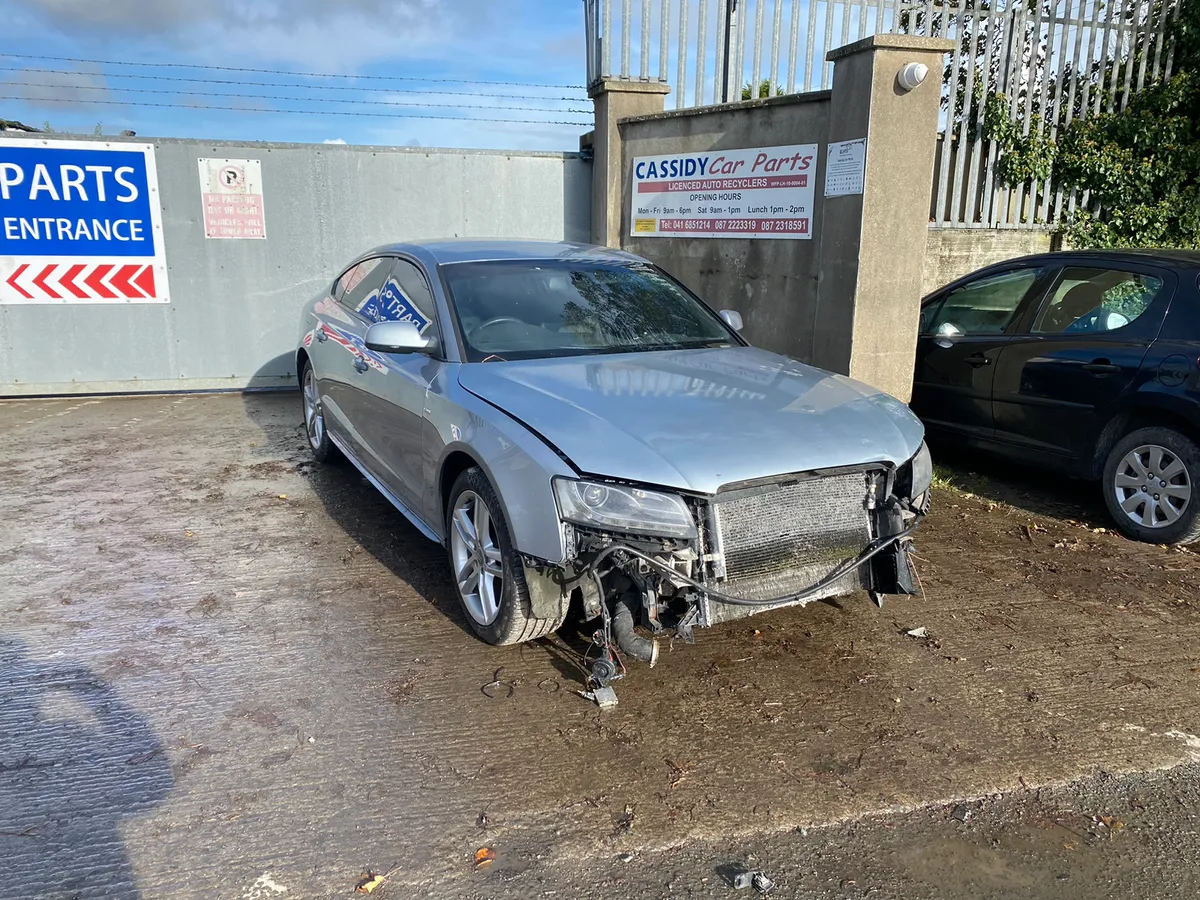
x,y
916,475
620,508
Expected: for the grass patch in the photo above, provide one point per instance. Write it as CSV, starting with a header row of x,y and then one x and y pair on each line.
x,y
949,478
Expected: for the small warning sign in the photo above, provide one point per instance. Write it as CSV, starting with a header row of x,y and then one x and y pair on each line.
x,y
232,195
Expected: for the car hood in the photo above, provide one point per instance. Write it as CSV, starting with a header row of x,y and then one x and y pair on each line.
x,y
698,419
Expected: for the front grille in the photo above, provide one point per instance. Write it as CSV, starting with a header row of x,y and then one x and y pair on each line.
x,y
782,537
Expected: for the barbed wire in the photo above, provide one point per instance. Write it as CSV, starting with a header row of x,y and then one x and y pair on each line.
x,y
312,112
217,96
315,87
294,74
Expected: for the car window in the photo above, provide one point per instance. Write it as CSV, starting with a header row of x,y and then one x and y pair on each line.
x,y
984,306
1091,300
532,309
404,297
361,284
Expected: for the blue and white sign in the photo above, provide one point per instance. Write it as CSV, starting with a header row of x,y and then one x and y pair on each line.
x,y
390,305
80,222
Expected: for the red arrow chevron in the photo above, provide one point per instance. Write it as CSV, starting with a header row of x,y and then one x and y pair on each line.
x,y
96,284
146,281
120,281
40,281
68,281
11,281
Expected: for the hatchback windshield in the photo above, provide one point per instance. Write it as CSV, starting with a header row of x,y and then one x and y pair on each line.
x,y
526,310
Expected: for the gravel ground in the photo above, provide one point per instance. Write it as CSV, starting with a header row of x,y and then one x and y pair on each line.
x,y
225,671
1100,837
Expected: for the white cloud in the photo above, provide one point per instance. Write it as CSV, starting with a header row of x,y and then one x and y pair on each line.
x,y
322,35
528,41
334,141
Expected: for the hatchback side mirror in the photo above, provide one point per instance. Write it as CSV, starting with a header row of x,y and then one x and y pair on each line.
x,y
732,318
398,337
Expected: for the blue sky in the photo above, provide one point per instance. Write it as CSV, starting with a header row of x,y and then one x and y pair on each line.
x,y
532,42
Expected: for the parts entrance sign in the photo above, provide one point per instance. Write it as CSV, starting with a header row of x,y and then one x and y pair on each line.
x,y
80,222
760,192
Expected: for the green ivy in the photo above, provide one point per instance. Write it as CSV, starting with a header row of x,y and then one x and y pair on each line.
x,y
1025,157
1140,166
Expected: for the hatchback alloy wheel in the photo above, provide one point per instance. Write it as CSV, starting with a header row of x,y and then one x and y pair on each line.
x,y
1152,486
477,558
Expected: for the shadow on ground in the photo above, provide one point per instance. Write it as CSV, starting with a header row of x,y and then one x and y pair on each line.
x,y
75,760
1035,491
378,529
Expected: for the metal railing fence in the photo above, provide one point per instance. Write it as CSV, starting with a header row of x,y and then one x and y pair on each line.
x,y
1052,61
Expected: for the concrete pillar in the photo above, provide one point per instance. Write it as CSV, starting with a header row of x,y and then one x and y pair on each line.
x,y
615,100
872,245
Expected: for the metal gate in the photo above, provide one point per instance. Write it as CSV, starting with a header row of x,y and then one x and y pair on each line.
x,y
1046,61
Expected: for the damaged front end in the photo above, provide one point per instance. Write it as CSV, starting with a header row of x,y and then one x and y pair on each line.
x,y
672,563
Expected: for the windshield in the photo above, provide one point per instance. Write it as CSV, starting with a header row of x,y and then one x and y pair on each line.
x,y
527,310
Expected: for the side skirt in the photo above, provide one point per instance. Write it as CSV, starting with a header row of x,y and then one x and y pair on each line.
x,y
416,520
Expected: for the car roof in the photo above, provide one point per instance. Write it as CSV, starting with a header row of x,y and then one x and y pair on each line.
x,y
1178,259
450,251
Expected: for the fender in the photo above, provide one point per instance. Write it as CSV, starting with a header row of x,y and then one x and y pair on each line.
x,y
1151,401
519,464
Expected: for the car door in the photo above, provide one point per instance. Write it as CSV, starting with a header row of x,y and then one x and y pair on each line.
x,y
1076,353
390,404
336,345
343,331
962,331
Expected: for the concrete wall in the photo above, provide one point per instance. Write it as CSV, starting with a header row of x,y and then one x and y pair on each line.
x,y
848,298
232,320
772,283
953,252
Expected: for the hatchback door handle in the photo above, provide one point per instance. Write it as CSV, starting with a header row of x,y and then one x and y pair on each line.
x,y
1101,367
975,360
360,364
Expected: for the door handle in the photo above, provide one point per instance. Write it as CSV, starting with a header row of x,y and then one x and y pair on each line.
x,y
360,364
1101,367
975,360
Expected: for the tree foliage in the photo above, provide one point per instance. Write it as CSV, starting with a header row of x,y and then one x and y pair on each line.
x,y
764,90
1140,165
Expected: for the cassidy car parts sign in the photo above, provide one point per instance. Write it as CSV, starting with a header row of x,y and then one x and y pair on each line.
x,y
761,192
80,222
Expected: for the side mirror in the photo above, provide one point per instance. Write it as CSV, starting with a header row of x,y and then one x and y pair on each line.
x,y
398,337
732,318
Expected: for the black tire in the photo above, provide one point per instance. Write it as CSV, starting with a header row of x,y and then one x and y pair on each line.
x,y
1149,505
515,622
323,449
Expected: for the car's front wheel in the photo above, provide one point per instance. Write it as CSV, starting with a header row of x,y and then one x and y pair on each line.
x,y
1150,482
323,449
488,575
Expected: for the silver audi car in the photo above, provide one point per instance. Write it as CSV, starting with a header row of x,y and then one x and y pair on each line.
x,y
572,422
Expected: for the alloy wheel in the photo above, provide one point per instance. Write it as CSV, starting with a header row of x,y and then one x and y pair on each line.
x,y
314,419
1152,486
475,553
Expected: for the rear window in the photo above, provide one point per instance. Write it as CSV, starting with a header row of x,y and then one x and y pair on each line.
x,y
1091,300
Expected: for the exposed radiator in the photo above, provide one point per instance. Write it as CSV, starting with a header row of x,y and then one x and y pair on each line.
x,y
782,537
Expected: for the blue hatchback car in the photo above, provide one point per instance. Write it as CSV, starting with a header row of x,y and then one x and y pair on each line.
x,y
1083,362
